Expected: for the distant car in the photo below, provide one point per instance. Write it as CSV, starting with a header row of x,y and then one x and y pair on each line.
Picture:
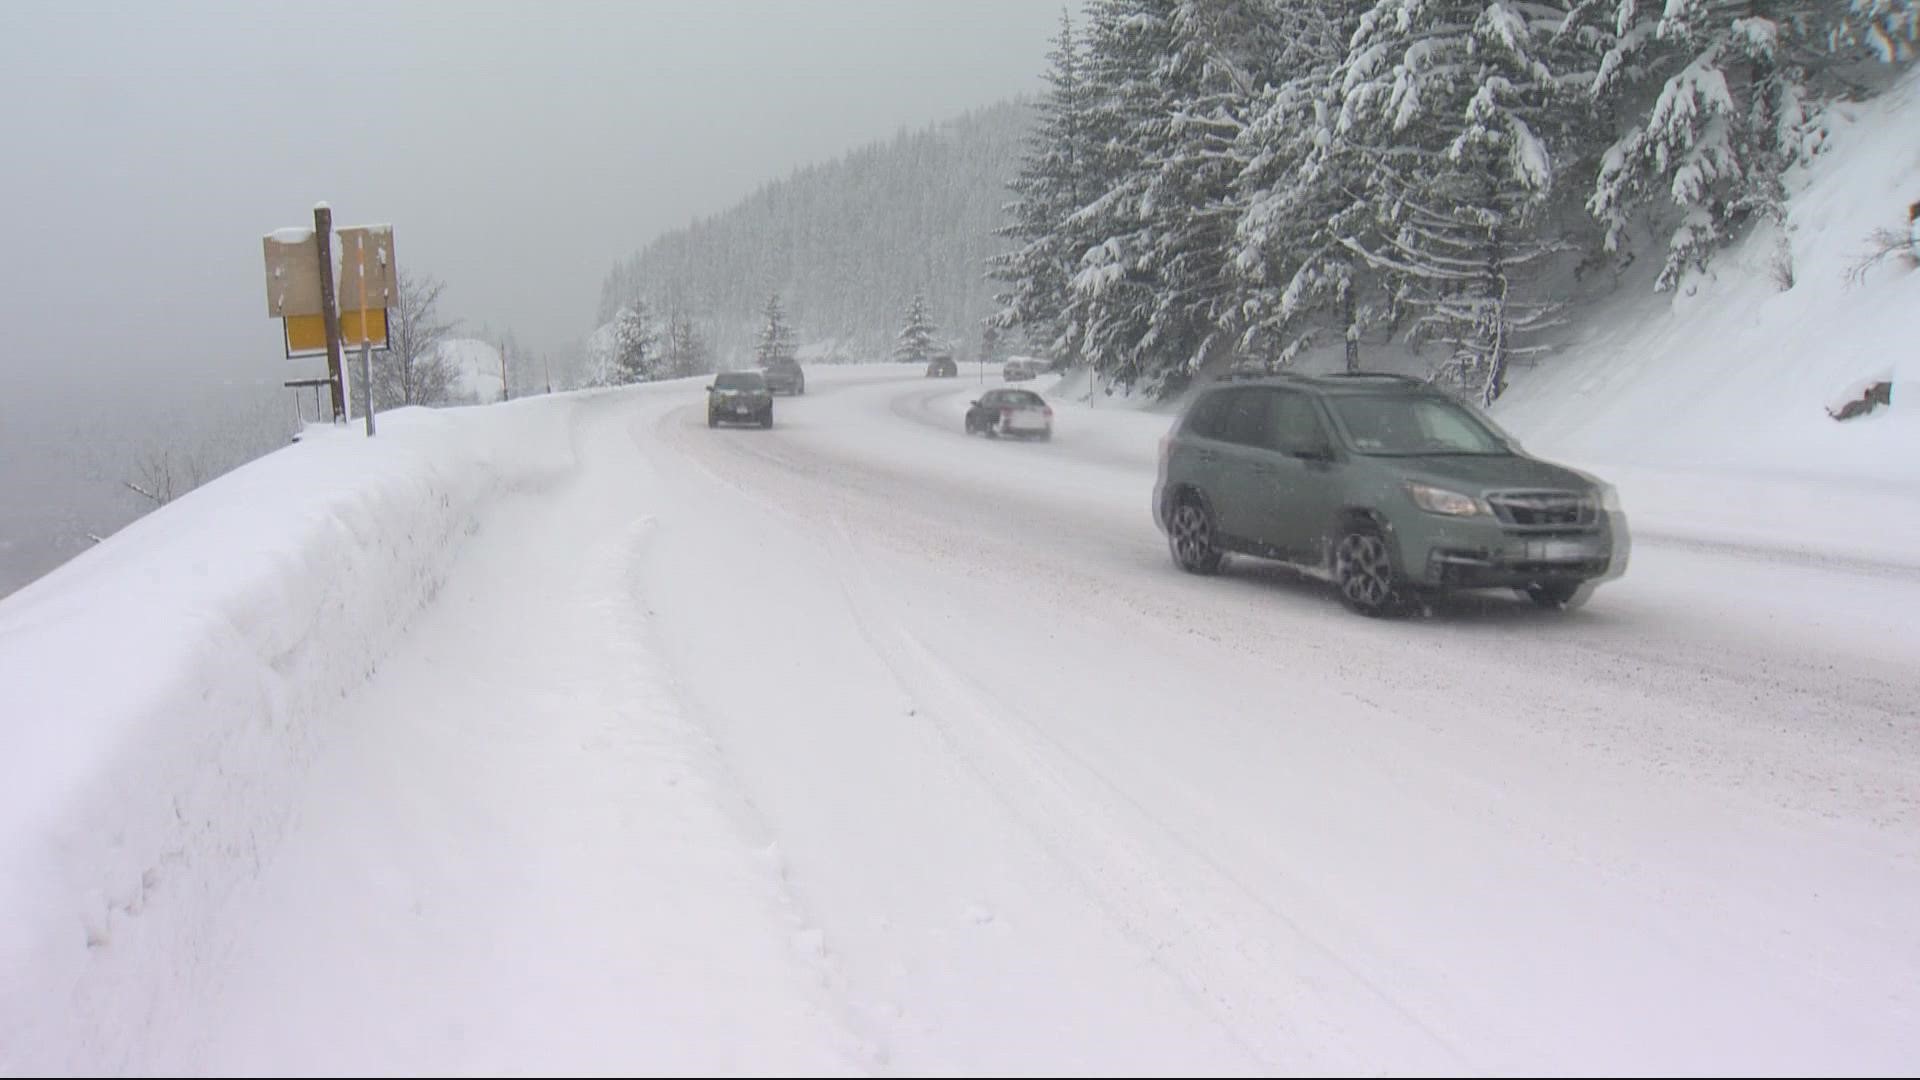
x,y
1020,369
1020,413
785,378
942,367
1386,485
739,397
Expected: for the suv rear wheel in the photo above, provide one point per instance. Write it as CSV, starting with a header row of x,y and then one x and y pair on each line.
x,y
1190,537
1363,570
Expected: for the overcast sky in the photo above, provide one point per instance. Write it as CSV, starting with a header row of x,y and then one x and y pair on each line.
x,y
517,149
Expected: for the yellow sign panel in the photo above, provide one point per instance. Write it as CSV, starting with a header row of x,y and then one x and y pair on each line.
x,y
307,334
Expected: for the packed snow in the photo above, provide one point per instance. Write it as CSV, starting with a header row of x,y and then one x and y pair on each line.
x,y
569,734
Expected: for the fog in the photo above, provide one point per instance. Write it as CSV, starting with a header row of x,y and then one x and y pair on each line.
x,y
517,149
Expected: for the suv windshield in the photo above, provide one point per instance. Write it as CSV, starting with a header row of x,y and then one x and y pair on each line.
x,y
740,380
1415,426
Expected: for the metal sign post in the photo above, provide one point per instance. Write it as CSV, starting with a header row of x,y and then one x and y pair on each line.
x,y
366,346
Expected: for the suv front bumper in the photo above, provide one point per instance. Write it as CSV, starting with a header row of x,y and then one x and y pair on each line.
x,y
1484,555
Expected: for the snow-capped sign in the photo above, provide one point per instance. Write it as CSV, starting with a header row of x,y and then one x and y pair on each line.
x,y
293,273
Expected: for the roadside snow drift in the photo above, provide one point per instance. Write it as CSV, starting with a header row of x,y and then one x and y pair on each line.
x,y
158,694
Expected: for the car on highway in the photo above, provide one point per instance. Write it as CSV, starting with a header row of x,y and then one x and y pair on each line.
x,y
1021,368
1017,413
942,366
1384,484
785,377
739,397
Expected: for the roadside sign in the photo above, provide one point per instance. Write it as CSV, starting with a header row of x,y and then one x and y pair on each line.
x,y
293,273
307,334
368,277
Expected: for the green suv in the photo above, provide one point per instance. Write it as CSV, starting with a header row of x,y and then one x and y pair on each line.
x,y
1383,483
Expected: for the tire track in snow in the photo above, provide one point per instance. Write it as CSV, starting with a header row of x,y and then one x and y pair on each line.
x,y
1221,967
865,1041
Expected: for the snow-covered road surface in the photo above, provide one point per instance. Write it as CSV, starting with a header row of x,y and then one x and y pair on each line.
x,y
861,746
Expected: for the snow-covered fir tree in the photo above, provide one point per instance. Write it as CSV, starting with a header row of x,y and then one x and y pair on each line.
x,y
1454,106
776,337
1267,170
635,358
1725,101
1112,297
1221,53
1300,195
1053,183
916,340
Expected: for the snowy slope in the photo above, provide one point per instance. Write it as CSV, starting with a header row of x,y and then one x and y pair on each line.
x,y
1716,395
1730,371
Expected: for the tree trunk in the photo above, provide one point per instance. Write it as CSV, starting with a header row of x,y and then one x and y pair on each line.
x,y
1349,317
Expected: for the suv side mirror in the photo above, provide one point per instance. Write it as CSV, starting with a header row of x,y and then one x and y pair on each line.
x,y
1317,452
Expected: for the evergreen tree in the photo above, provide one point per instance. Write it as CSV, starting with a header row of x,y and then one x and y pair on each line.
x,y
1453,106
1734,90
1301,194
1052,184
776,337
1113,293
634,356
916,335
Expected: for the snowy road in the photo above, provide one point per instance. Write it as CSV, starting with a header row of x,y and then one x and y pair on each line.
x,y
861,746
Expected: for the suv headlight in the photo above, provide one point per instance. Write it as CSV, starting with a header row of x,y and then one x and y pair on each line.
x,y
1441,501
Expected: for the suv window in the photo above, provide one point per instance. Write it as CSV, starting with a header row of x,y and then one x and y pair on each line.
x,y
1249,419
1403,426
1296,424
1204,419
740,380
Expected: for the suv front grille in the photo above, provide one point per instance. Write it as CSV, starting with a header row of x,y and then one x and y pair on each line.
x,y
1543,509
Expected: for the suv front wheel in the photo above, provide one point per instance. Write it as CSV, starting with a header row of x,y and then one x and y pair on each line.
x,y
1190,536
1363,570
1554,595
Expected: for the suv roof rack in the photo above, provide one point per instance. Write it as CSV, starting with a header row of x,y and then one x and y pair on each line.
x,y
1256,373
1387,375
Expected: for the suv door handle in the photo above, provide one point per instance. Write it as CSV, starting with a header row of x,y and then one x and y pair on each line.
x,y
1207,456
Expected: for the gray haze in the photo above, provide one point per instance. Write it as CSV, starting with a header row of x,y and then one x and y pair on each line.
x,y
518,150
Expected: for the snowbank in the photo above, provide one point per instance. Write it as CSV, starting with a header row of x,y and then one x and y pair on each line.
x,y
158,694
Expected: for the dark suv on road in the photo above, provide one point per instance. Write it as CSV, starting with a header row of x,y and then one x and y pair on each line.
x,y
785,377
739,397
1383,483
